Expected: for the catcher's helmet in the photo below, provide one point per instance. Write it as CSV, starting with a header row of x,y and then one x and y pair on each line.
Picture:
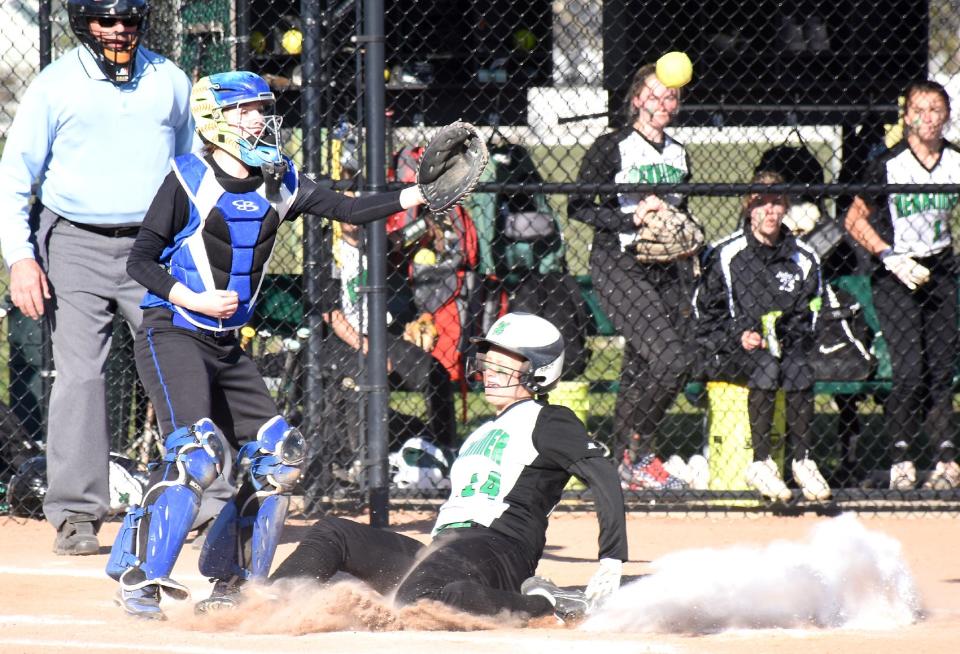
x,y
214,94
535,339
28,487
116,58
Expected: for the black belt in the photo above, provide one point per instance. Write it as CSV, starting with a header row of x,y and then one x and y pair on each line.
x,y
112,232
218,335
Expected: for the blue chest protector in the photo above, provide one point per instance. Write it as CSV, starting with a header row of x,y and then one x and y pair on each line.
x,y
227,242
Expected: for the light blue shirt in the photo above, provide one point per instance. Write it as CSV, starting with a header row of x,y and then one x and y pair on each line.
x,y
98,151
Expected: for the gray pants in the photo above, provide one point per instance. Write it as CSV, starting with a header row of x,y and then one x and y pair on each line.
x,y
89,284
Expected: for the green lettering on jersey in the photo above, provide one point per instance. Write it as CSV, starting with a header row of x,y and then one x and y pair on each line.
x,y
490,488
654,174
908,204
491,445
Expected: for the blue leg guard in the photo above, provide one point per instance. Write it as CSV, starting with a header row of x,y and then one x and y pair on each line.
x,y
152,535
242,541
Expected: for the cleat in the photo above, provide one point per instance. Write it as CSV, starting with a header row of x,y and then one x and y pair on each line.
x,y
77,536
946,476
226,595
141,603
810,481
568,604
699,472
903,476
764,477
647,473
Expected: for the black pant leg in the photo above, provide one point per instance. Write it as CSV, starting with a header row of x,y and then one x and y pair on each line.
x,y
475,570
378,557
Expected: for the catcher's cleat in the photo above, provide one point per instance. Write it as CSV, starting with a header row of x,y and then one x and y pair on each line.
x,y
811,482
141,602
764,477
226,595
568,603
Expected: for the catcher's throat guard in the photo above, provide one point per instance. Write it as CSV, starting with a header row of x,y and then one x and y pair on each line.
x,y
451,165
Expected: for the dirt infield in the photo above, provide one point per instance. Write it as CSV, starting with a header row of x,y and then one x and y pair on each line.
x,y
55,604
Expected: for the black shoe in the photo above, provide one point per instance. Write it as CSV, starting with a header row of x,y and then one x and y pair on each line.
x,y
226,594
77,536
568,603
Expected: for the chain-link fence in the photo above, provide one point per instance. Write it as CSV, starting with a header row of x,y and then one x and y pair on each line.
x,y
810,90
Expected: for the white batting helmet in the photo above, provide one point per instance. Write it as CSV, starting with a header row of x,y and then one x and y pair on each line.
x,y
533,338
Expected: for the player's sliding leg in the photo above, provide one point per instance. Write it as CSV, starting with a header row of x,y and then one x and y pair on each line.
x,y
152,534
243,539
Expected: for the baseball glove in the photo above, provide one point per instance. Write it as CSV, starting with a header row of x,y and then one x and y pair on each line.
x,y
422,332
667,235
451,165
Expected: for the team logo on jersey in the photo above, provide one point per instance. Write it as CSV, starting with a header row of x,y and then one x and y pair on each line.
x,y
788,281
244,205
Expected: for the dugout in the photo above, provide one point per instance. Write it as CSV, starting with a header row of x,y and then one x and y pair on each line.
x,y
758,60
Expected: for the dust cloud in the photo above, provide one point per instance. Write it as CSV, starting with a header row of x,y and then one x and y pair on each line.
x,y
841,576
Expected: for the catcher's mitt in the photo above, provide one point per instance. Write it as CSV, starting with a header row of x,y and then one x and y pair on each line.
x,y
451,165
667,235
422,332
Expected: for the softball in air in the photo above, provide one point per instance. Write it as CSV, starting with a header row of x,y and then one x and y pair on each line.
x,y
674,70
292,42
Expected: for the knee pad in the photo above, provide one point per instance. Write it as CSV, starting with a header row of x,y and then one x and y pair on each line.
x,y
244,537
153,533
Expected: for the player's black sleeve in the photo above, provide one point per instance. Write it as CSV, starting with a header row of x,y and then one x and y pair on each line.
x,y
167,216
321,200
560,436
599,166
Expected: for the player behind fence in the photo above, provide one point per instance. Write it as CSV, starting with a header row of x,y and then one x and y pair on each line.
x,y
202,253
508,477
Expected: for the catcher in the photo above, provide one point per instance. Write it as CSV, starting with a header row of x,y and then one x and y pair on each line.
x,y
643,268
201,253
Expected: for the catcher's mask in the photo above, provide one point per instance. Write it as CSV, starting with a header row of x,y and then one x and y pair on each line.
x,y
114,53
528,336
215,94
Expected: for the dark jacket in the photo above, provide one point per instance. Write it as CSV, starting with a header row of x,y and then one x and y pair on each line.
x,y
745,279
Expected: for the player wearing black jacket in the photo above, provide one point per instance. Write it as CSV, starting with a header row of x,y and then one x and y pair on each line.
x,y
507,478
757,309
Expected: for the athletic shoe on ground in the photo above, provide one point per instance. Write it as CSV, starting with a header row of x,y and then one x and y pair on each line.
x,y
946,476
568,603
764,477
903,476
810,481
141,602
647,473
77,536
699,472
226,594
677,467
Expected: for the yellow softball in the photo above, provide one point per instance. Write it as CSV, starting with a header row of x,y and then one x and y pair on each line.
x,y
674,69
292,42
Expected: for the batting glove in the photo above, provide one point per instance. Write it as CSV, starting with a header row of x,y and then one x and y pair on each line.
x,y
604,582
908,271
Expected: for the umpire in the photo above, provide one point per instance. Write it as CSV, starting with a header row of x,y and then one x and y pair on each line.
x,y
97,128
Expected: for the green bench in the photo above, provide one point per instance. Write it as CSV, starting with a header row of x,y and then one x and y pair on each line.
x,y
857,286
